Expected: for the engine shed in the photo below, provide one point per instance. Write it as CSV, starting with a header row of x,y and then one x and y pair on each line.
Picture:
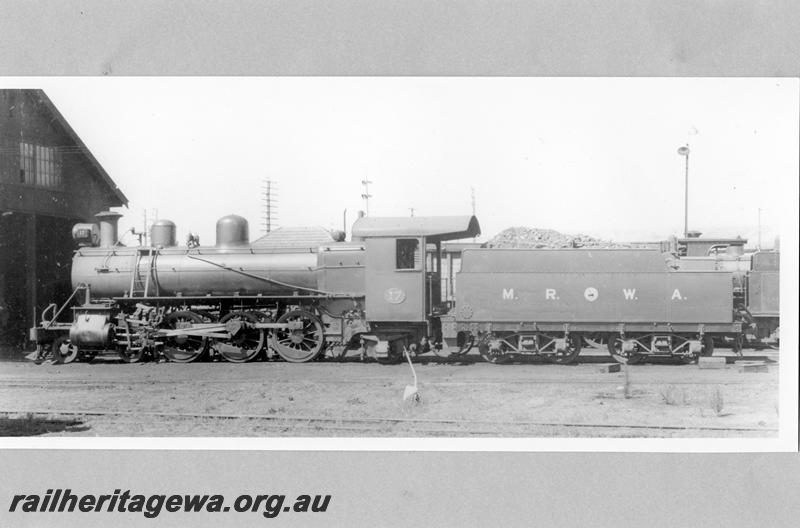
x,y
49,180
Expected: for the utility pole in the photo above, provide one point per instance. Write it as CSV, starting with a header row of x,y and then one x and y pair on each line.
x,y
366,195
684,151
268,193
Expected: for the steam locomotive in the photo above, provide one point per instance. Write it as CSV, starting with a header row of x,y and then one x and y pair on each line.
x,y
381,294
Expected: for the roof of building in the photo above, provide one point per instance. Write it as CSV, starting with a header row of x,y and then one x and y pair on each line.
x,y
294,237
77,140
434,227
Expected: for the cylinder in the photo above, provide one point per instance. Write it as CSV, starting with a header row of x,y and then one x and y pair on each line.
x,y
108,228
232,231
162,234
92,330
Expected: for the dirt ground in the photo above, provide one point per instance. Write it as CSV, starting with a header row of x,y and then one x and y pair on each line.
x,y
469,398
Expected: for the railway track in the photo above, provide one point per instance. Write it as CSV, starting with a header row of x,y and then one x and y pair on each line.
x,y
363,426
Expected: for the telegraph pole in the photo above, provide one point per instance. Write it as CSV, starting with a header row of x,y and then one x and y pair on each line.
x,y
366,195
268,192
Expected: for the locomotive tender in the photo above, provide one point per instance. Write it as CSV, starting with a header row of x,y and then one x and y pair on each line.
x,y
525,301
380,294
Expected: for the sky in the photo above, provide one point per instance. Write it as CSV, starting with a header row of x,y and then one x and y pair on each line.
x,y
596,156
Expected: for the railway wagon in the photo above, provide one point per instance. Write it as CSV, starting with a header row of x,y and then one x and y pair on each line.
x,y
515,302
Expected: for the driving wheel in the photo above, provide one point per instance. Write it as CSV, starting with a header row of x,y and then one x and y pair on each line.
x,y
183,348
300,344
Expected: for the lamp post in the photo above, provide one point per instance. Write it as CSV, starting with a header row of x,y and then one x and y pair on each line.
x,y
684,151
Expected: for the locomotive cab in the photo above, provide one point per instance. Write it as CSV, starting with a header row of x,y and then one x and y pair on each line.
x,y
403,277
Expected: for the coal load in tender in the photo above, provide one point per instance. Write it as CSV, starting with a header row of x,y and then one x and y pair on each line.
x,y
533,238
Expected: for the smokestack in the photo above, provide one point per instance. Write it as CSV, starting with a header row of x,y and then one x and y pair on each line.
x,y
108,228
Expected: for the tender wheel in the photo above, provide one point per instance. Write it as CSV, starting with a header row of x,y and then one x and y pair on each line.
x,y
246,345
494,352
63,351
302,344
626,358
570,354
183,348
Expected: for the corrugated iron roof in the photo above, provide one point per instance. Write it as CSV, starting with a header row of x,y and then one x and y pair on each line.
x,y
294,237
437,227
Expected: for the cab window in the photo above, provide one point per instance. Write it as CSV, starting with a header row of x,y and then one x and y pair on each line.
x,y
408,257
